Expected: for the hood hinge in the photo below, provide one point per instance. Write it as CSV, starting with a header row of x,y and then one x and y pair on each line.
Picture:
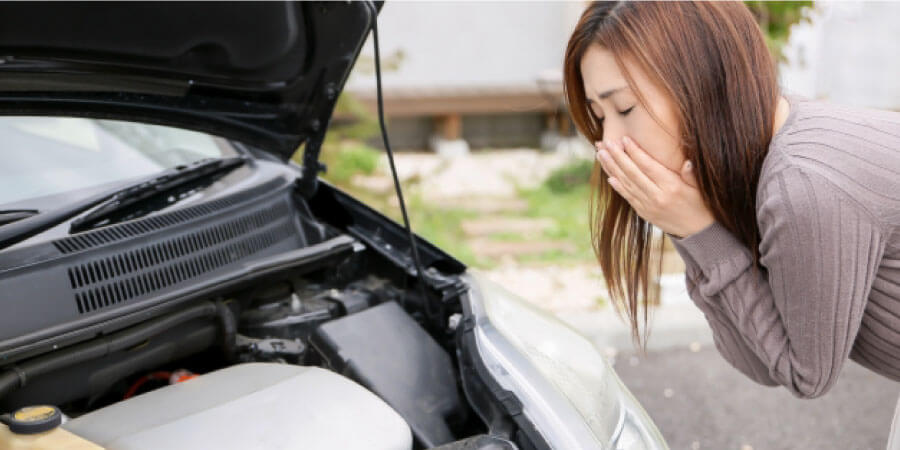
x,y
309,181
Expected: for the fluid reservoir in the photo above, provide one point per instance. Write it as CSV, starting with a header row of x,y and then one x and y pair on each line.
x,y
37,428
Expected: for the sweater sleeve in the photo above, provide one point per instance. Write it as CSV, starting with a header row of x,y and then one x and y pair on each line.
x,y
798,318
726,336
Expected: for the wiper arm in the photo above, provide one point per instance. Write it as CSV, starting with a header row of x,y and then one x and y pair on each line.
x,y
129,196
115,200
13,215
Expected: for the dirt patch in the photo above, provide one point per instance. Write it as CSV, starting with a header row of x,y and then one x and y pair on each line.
x,y
491,174
487,205
504,250
493,225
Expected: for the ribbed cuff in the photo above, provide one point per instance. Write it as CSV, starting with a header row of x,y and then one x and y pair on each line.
x,y
709,247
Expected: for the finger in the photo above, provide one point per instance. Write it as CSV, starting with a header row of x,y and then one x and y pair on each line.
x,y
634,178
688,175
655,171
616,184
626,194
602,156
599,147
610,167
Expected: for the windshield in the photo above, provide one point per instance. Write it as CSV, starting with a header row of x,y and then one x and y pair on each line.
x,y
46,156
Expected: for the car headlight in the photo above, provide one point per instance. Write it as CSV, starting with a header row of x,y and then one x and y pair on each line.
x,y
567,388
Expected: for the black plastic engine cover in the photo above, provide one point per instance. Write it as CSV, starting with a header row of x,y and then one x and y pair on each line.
x,y
385,350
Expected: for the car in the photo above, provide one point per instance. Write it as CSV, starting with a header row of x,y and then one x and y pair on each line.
x,y
170,279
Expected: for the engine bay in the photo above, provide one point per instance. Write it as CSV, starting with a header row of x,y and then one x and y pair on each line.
x,y
331,318
338,293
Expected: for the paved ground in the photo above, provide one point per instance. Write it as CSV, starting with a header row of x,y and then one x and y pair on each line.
x,y
698,401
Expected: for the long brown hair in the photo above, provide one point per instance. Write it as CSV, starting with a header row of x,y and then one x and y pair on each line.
x,y
711,60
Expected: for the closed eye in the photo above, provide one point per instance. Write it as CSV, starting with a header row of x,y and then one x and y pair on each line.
x,y
600,119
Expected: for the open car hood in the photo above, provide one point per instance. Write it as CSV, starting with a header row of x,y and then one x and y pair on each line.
x,y
266,73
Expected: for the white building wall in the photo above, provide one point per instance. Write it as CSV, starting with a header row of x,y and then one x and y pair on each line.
x,y
849,54
459,44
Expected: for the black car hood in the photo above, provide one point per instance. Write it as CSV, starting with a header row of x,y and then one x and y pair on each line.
x,y
266,73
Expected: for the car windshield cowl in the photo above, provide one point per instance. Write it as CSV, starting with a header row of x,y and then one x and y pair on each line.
x,y
106,203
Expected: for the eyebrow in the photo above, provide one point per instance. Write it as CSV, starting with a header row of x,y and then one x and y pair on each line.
x,y
606,94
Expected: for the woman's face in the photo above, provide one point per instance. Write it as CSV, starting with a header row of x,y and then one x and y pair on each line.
x,y
615,105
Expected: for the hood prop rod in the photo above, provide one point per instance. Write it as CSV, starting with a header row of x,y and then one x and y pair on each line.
x,y
433,316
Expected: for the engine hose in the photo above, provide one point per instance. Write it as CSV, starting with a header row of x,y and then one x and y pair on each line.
x,y
18,376
229,330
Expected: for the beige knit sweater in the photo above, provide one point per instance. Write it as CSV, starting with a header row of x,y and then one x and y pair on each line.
x,y
828,206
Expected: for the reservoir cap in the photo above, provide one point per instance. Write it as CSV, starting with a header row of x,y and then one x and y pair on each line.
x,y
33,419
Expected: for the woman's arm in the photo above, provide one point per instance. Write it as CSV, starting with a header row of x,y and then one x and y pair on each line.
x,y
726,336
800,317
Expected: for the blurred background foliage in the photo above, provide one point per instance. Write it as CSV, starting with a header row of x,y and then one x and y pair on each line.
x,y
344,151
776,20
569,177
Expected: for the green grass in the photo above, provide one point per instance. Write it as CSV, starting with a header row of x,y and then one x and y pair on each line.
x,y
563,197
442,227
567,207
348,158
569,177
439,225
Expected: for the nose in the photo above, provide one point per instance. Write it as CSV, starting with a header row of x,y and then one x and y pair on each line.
x,y
612,130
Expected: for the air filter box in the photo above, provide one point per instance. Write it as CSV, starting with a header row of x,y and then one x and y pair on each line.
x,y
385,350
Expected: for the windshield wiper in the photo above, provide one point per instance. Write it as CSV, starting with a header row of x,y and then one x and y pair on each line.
x,y
130,196
13,215
110,202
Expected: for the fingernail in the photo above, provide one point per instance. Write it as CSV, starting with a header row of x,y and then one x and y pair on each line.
x,y
603,154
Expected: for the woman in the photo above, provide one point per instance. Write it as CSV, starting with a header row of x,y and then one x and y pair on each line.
x,y
784,210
